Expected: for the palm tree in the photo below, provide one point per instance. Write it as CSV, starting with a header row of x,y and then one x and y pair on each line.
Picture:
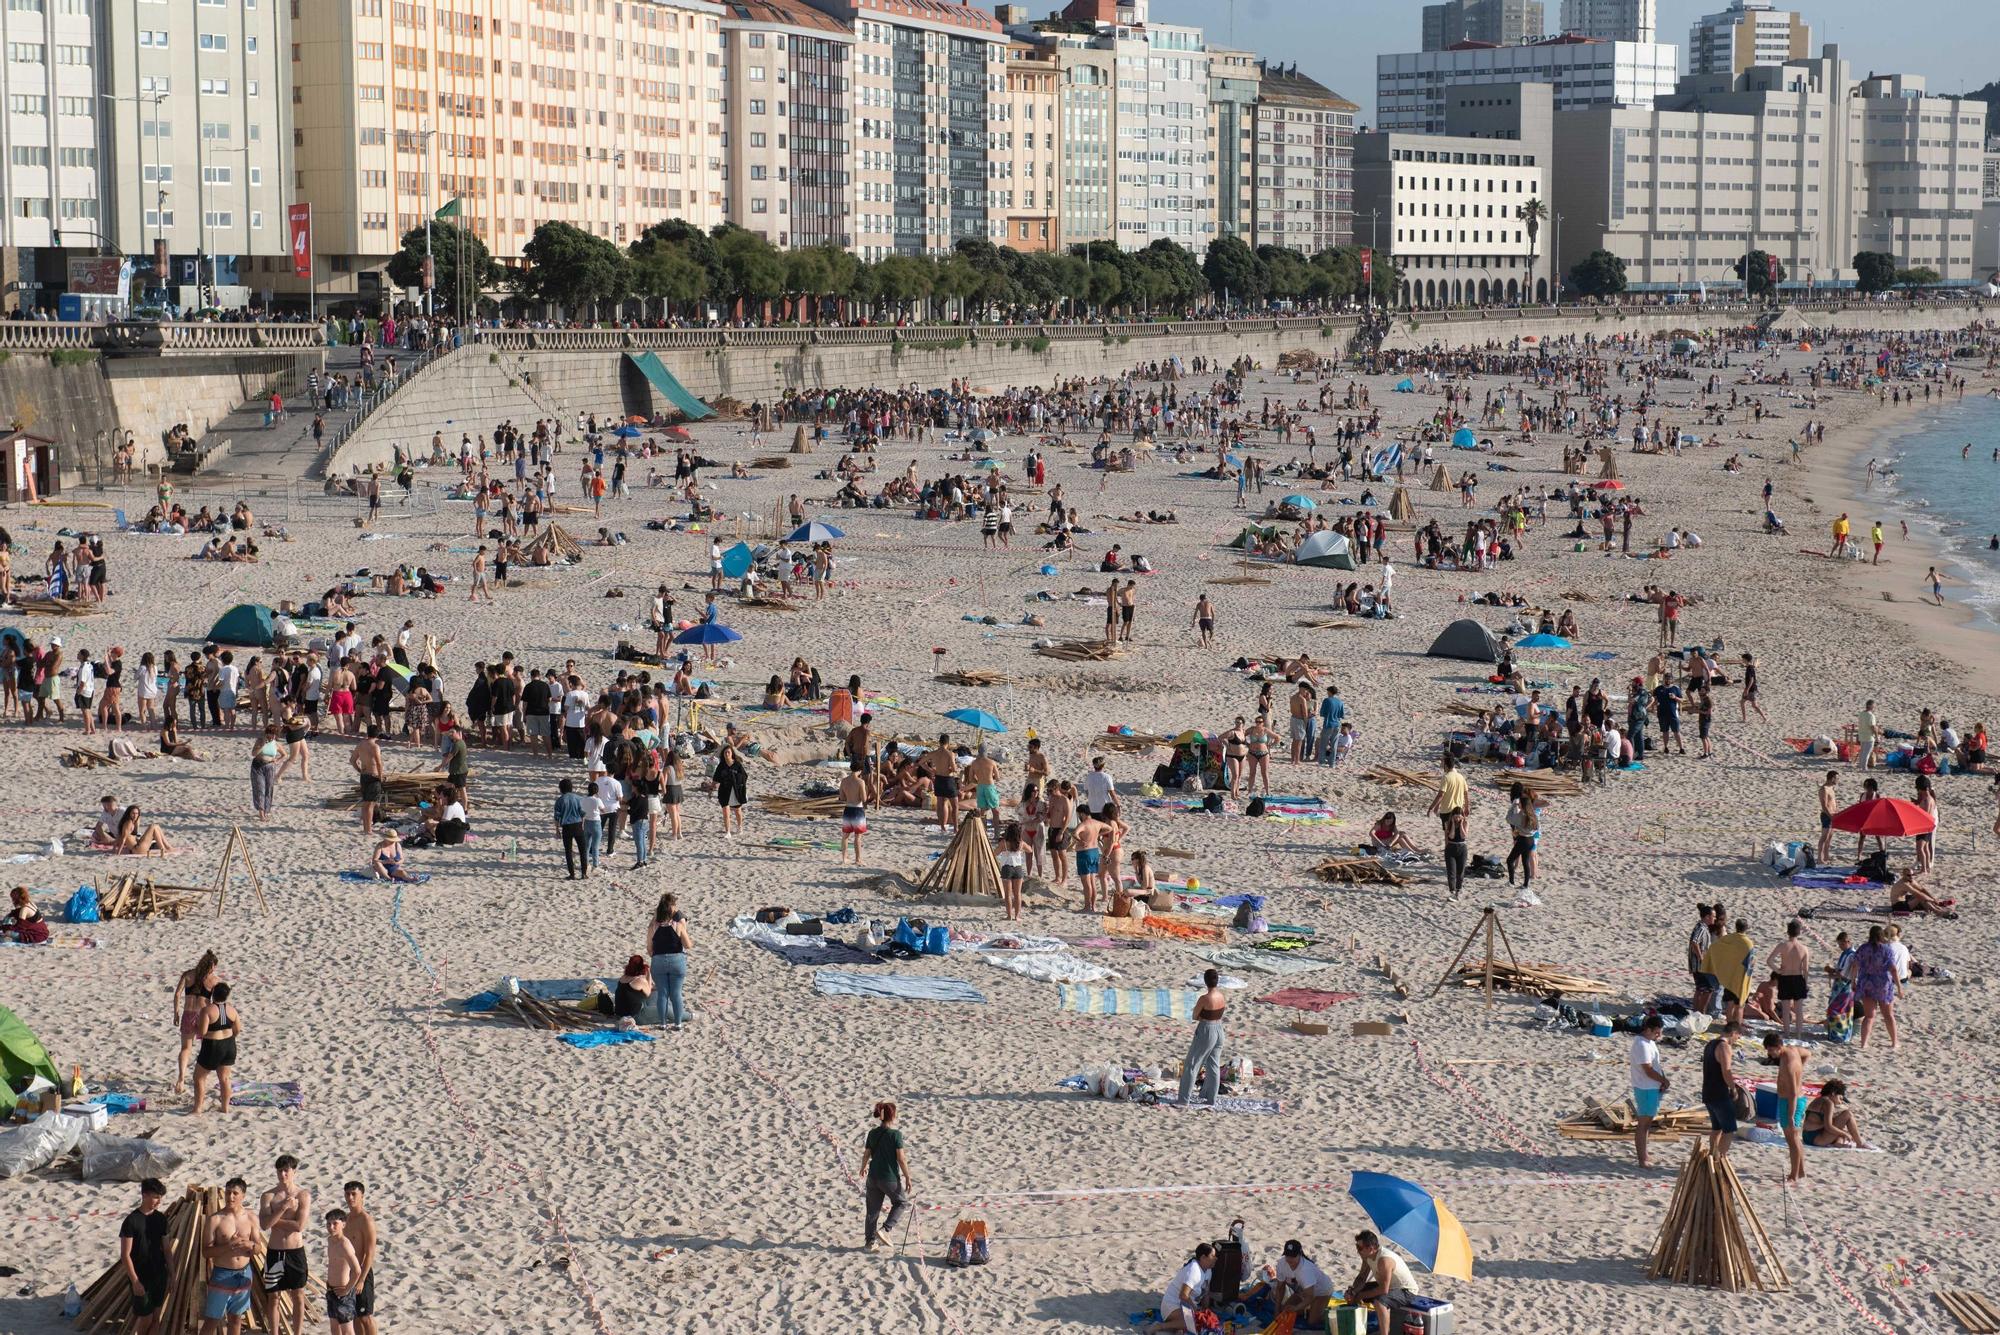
x,y
1531,213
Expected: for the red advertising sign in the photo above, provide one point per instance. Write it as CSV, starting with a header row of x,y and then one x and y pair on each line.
x,y
1774,269
1367,266
299,220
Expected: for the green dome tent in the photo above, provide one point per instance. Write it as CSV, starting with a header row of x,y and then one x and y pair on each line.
x,y
245,623
21,1053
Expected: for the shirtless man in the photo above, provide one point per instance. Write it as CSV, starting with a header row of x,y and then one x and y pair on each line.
x,y
1792,1100
230,1238
1826,812
1204,620
984,776
1791,962
1302,705
282,1212
1057,808
860,746
340,697
1128,607
942,765
479,583
1089,857
361,1232
366,759
853,810
343,1275
1038,766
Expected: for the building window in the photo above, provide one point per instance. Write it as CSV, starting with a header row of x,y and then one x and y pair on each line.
x,y
212,41
152,37
256,221
219,218
25,53
28,104
26,207
29,155
215,87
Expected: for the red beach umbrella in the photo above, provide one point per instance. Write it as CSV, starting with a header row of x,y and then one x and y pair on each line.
x,y
1885,817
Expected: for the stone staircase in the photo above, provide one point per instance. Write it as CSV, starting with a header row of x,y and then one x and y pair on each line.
x,y
470,389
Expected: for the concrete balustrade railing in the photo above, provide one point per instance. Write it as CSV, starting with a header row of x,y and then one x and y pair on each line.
x,y
199,336
43,335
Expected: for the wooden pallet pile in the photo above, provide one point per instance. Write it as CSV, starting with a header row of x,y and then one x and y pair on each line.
x,y
1539,782
78,757
1081,651
976,677
554,540
534,1013
1704,1240
42,605
401,790
1391,777
772,602
968,866
1535,979
1974,1312
1617,1121
142,897
809,808
1357,871
1136,743
107,1303
764,463
1460,709
1311,623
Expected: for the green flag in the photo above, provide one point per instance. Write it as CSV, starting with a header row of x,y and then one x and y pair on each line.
x,y
450,210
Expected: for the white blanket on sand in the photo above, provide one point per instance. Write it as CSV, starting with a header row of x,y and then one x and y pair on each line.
x,y
1258,961
1046,967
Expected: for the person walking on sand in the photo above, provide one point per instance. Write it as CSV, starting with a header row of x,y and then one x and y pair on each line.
x,y
1840,531
888,1175
1204,1059
1204,621
479,584
366,760
1936,583
1751,684
1864,736
1875,536
191,994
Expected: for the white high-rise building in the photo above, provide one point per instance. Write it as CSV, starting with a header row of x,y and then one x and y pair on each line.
x,y
1612,20
1745,35
1410,87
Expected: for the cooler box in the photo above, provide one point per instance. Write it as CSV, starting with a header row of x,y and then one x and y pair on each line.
x,y
1422,1316
95,1116
1342,1319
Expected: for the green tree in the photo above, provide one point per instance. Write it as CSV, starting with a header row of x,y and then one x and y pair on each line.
x,y
1921,276
1234,272
1285,274
1532,213
1184,285
669,275
1760,280
568,267
1874,271
462,266
748,269
1601,274
902,280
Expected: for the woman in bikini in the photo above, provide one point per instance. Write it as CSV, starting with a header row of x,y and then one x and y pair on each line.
x,y
220,1027
1829,1122
1236,750
133,839
1030,811
1260,737
24,924
191,996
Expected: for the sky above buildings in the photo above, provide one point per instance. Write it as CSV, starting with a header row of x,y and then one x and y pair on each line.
x,y
1336,41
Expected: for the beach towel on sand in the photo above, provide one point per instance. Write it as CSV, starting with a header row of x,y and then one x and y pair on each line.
x,y
416,878
1224,1104
1307,998
605,1038
1257,961
1050,968
899,986
267,1094
1165,1002
1175,925
814,951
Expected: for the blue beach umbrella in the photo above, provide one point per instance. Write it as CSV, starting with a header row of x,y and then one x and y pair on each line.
x,y
1416,1221
1298,501
707,632
976,718
817,530
627,432
1464,439
1542,642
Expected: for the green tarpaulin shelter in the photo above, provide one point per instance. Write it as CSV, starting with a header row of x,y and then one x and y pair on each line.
x,y
245,623
1252,532
21,1053
668,387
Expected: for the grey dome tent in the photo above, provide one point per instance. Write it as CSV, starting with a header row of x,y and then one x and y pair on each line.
x,y
245,623
1466,639
1326,549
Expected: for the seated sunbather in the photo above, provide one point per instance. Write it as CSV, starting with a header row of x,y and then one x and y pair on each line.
x,y
1907,896
171,743
24,924
1386,838
634,988
1829,1122
137,838
1763,1003
387,864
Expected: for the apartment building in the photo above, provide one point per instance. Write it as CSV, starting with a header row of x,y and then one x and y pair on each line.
x,y
607,116
1410,87
1088,165
1743,36
1501,22
1449,208
1029,186
1233,81
1920,165
143,128
787,146
1303,146
929,80
1612,20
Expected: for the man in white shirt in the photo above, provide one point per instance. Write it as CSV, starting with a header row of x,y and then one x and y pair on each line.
x,y
611,808
714,565
1649,1081
1099,788
576,707
1302,1287
1186,1291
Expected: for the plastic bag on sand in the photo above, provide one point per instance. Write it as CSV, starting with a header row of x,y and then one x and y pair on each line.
x,y
40,1142
125,1159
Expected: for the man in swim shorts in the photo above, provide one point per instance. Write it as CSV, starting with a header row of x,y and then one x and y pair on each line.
x,y
853,809
366,758
1792,1100
282,1212
1649,1081
942,765
984,776
229,1240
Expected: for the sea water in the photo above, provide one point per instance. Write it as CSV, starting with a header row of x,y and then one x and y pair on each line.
x,y
1950,497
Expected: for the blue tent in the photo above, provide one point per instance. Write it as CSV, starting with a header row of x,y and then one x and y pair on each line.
x,y
707,632
1542,642
1464,439
627,432
1406,386
245,623
12,635
816,530
737,560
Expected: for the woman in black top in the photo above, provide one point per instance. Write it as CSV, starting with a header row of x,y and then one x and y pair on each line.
x,y
220,1026
668,939
732,788
630,998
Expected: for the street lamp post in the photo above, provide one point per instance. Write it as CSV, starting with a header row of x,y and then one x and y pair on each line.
x,y
160,186
1555,277
430,265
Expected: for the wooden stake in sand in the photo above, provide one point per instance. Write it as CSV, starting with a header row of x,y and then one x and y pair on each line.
x,y
1703,1240
236,848
1490,922
968,866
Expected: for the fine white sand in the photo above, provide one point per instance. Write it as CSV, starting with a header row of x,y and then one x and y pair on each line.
x,y
703,1182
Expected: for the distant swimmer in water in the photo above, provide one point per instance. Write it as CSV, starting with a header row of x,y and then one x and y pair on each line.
x,y
1966,453
1993,543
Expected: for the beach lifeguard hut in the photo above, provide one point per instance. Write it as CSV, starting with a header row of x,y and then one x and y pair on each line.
x,y
30,469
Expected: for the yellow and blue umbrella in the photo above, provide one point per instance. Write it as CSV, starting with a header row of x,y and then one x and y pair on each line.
x,y
1416,1221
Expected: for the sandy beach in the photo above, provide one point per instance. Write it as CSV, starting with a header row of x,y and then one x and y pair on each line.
x,y
708,1179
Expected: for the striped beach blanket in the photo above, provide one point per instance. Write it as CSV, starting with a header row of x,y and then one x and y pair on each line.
x,y
1164,1002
